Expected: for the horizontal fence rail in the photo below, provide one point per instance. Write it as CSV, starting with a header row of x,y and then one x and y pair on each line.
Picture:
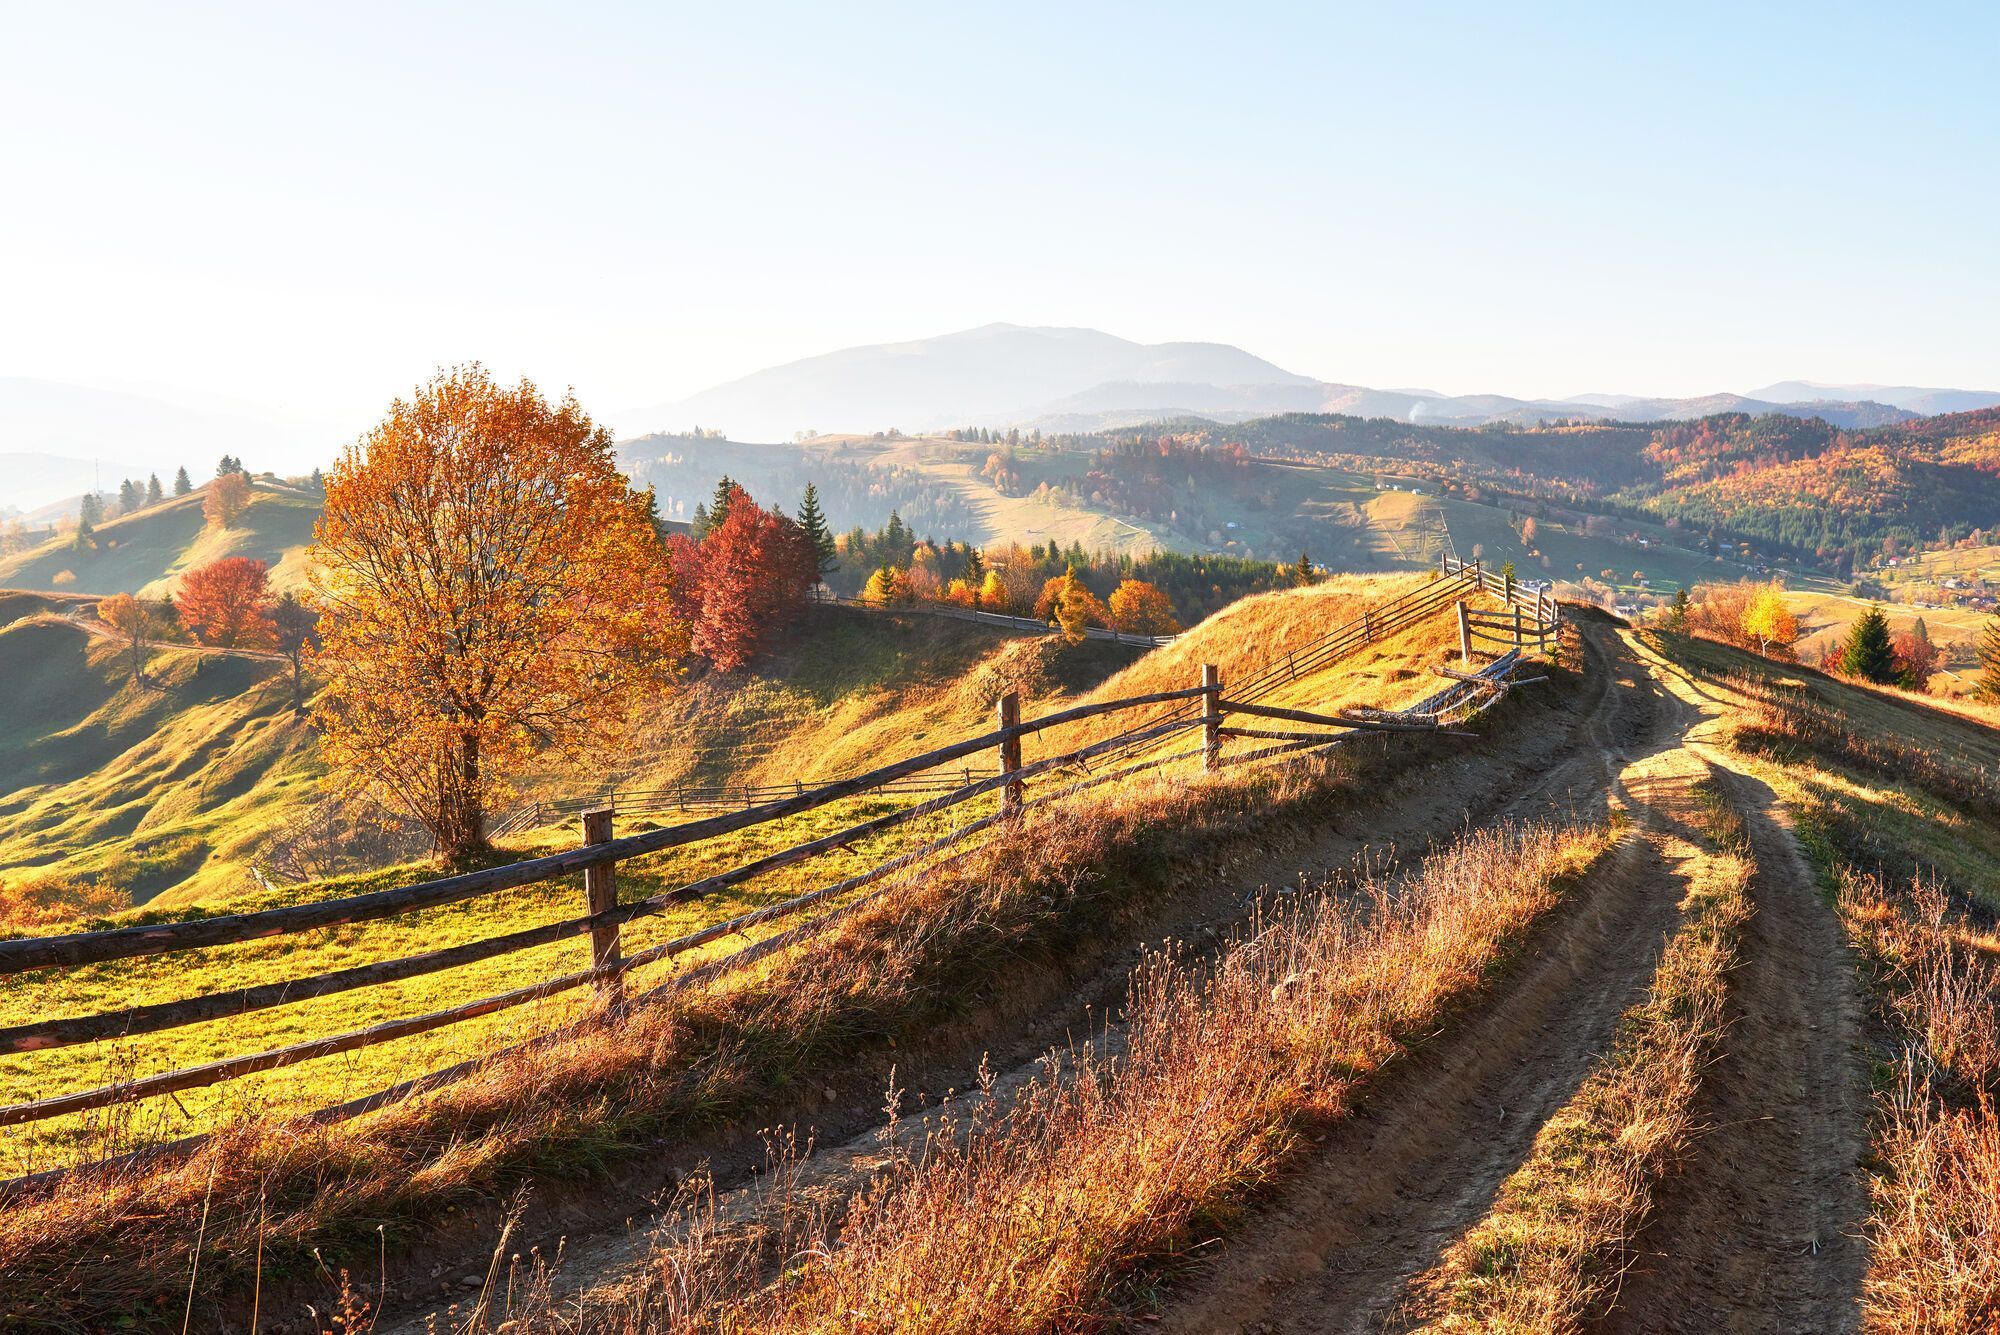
x,y
1531,618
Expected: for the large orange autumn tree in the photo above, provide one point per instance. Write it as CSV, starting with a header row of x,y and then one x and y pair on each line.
x,y
489,587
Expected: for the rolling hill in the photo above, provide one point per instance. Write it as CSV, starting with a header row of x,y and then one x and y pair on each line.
x,y
143,552
176,788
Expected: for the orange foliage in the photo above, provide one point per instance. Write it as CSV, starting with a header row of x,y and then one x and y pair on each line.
x,y
228,603
488,585
46,901
1137,608
227,498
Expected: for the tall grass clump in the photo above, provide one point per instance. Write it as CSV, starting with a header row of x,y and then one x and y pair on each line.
x,y
1934,1259
1038,1219
1548,1255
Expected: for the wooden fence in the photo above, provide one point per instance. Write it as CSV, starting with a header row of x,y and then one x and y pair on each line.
x,y
1377,623
1137,747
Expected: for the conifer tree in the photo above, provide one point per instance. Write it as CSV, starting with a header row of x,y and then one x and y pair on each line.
x,y
1868,653
814,523
182,485
726,492
1989,661
154,493
1677,612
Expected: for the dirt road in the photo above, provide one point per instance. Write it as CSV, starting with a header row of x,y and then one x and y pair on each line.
x,y
1757,1232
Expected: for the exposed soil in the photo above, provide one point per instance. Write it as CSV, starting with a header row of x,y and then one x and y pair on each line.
x,y
1757,1231
1760,1232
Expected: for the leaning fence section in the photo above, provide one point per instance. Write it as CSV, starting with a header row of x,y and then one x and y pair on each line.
x,y
989,765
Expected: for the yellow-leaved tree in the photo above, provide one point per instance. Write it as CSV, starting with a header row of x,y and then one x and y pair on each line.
x,y
1769,622
489,587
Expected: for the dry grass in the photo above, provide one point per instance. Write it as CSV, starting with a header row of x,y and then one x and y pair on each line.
x,y
1038,1219
1547,1257
1934,1263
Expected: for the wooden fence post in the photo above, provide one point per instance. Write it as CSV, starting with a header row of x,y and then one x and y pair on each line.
x,y
1510,586
1010,752
600,890
1211,723
1464,636
1517,624
1367,628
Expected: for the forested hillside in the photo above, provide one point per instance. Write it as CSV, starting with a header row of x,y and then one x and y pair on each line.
x,y
1834,497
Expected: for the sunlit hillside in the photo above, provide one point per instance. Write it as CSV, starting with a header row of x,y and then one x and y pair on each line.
x,y
142,553
174,789
852,689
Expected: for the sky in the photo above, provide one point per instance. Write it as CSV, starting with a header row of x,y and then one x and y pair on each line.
x,y
309,207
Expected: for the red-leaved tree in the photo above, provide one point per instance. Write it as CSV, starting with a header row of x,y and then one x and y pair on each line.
x,y
228,603
743,582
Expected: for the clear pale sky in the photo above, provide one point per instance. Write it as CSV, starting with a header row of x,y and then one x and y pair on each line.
x,y
311,206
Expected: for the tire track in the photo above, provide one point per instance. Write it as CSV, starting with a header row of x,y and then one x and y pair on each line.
x,y
1761,1232
1390,1187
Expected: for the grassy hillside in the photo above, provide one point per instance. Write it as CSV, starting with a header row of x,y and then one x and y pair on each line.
x,y
171,789
847,690
857,689
143,552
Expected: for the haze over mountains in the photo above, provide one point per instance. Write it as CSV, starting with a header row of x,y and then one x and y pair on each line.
x,y
58,439
1003,375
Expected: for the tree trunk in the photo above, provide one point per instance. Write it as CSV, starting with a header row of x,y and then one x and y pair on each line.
x,y
461,822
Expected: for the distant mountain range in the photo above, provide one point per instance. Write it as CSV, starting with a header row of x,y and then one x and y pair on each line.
x,y
1055,379
57,438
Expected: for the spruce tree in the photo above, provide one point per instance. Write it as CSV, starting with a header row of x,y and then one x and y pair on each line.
x,y
154,493
700,522
130,496
182,486
1989,661
726,491
1867,653
1677,612
814,524
89,510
